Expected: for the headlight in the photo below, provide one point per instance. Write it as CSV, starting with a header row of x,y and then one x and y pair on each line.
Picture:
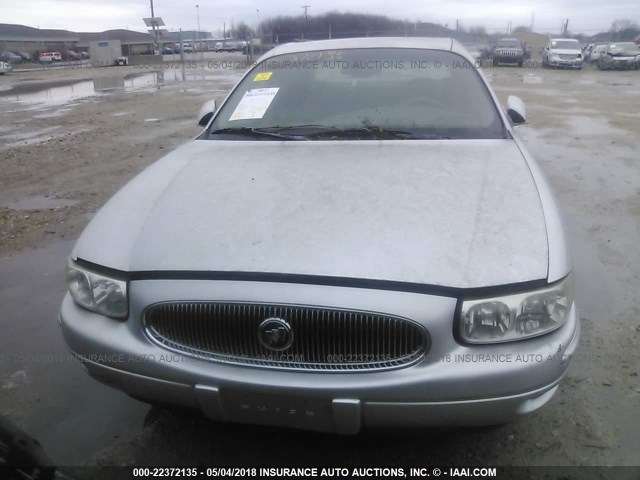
x,y
518,316
96,292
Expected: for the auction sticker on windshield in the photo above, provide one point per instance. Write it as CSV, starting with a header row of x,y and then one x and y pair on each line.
x,y
263,76
254,103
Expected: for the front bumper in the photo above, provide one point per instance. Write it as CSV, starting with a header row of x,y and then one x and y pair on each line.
x,y
621,65
559,63
454,385
508,58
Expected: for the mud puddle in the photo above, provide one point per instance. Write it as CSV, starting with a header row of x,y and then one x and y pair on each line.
x,y
61,93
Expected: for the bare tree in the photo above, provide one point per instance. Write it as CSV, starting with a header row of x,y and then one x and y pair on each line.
x,y
622,24
478,31
242,31
624,29
521,29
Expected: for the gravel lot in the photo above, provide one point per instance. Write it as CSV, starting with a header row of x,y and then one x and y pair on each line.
x,y
70,138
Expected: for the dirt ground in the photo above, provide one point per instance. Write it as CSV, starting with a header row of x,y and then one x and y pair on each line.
x,y
69,139
62,157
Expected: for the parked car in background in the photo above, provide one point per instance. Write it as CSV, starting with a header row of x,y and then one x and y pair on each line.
x,y
509,51
10,57
84,55
187,48
359,238
586,52
24,56
46,57
473,50
5,67
121,61
167,51
485,51
620,55
70,55
597,50
562,52
230,46
57,56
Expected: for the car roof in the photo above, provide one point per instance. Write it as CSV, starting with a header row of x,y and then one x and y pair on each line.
x,y
427,43
563,40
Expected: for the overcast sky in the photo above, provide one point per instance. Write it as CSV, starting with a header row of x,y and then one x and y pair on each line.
x,y
585,16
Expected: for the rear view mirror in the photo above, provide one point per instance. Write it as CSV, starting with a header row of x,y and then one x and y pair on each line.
x,y
516,110
206,112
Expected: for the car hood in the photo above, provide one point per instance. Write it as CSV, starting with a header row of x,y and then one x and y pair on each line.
x,y
565,51
457,213
624,55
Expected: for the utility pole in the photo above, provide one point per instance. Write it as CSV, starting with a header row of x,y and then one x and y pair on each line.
x,y
41,47
532,18
306,19
198,35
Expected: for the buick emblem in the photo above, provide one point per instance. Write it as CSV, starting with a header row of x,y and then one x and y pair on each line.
x,y
275,334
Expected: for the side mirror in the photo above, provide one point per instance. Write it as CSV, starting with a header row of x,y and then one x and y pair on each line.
x,y
206,112
516,110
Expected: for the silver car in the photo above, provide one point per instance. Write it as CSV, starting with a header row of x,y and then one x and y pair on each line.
x,y
358,238
596,52
621,56
562,53
5,67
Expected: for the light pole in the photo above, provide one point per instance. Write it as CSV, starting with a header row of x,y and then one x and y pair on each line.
x,y
306,19
155,33
258,24
199,39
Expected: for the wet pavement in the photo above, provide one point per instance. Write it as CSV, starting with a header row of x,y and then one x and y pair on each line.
x,y
42,387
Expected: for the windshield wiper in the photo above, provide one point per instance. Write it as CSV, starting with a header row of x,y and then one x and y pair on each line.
x,y
380,133
315,131
373,131
255,132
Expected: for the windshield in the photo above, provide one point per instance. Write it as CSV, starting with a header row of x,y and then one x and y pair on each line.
x,y
566,44
362,93
624,48
506,43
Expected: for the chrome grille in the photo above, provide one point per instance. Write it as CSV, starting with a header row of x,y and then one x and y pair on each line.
x,y
569,56
323,339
